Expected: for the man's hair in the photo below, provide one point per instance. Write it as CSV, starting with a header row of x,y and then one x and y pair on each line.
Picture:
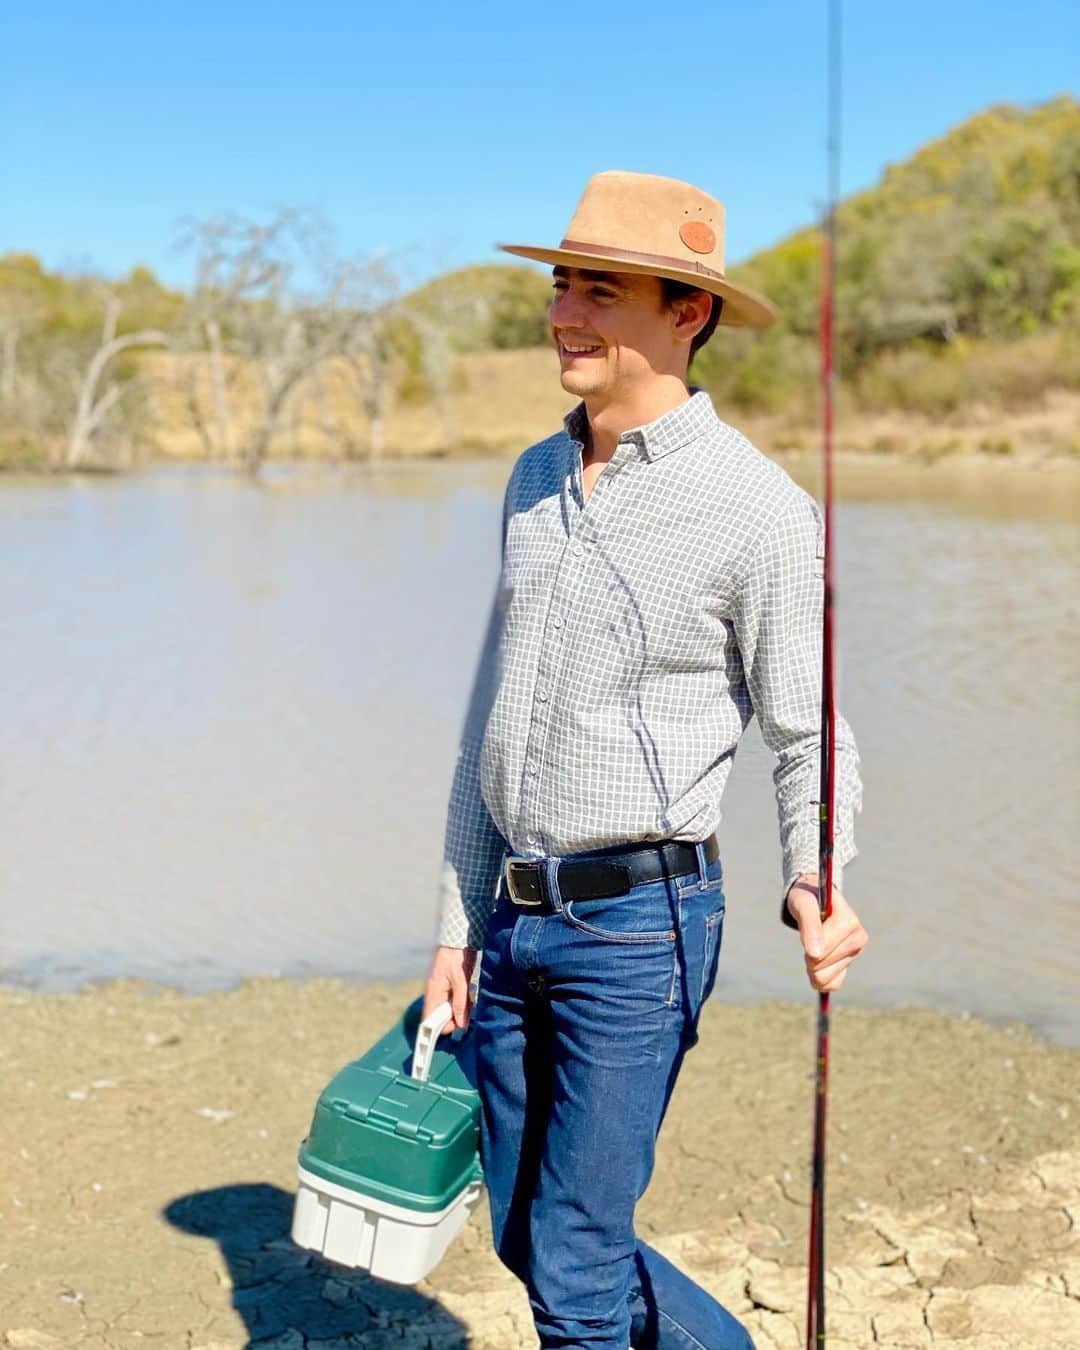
x,y
673,291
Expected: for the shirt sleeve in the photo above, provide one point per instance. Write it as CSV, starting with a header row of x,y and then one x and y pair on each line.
x,y
473,848
778,621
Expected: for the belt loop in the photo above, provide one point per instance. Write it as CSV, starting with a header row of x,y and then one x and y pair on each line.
x,y
702,865
551,882
500,880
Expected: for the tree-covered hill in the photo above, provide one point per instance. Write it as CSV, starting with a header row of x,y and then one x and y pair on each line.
x,y
977,233
958,284
41,302
495,306
972,243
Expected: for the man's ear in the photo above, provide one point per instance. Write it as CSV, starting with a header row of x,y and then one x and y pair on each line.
x,y
692,314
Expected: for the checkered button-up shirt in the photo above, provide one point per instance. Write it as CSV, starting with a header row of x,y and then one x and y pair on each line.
x,y
634,634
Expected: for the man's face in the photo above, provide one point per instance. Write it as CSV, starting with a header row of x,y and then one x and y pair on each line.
x,y
612,332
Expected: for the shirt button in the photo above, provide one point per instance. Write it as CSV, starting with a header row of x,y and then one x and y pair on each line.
x,y
579,549
533,767
556,622
541,694
530,838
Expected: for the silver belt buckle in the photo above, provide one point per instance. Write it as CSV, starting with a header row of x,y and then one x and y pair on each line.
x,y
518,900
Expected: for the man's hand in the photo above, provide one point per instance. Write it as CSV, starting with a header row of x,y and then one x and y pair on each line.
x,y
829,947
448,982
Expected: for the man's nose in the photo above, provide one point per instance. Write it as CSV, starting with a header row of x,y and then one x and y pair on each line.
x,y
566,310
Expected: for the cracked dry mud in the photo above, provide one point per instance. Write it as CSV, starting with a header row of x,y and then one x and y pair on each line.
x,y
150,1137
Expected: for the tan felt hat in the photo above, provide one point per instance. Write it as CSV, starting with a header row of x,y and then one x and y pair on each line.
x,y
637,222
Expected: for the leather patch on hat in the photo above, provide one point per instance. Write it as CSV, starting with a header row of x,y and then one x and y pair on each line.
x,y
698,236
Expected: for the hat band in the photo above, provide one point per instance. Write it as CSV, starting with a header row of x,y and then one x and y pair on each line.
x,y
646,259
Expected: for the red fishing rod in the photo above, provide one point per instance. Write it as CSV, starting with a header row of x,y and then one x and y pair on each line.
x,y
815,1298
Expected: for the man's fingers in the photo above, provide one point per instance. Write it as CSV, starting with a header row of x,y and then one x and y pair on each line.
x,y
842,937
827,972
830,978
829,947
459,1017
812,934
828,975
460,1003
455,991
448,982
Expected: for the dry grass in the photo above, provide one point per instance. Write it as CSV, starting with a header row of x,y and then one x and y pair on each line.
x,y
501,401
933,382
1047,429
498,402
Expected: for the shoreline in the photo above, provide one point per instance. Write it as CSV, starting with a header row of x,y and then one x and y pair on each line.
x,y
152,1139
470,453
1042,1026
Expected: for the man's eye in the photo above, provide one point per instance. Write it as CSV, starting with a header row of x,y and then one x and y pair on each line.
x,y
603,294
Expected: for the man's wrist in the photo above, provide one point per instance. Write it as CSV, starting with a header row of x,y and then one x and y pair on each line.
x,y
810,881
786,916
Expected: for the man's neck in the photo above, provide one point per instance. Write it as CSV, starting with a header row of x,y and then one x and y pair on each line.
x,y
608,421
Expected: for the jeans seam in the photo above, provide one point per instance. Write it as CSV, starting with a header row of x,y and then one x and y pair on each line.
x,y
677,955
709,955
680,1328
669,1002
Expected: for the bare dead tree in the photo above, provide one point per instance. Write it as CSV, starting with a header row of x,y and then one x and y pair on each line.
x,y
93,402
403,345
369,363
219,385
324,416
273,310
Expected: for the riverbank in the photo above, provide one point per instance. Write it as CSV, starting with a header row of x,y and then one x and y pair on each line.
x,y
501,401
150,1139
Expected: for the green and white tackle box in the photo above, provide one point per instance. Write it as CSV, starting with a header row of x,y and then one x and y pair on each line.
x,y
390,1167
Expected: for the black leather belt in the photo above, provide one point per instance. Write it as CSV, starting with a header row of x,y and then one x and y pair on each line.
x,y
603,874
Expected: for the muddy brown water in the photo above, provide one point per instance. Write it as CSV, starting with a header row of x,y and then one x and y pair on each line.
x,y
232,712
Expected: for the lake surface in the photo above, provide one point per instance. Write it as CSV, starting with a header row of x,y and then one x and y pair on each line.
x,y
226,704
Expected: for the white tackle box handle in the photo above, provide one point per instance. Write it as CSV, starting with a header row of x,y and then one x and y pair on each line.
x,y
427,1036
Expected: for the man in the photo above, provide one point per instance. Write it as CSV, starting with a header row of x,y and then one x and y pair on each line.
x,y
661,583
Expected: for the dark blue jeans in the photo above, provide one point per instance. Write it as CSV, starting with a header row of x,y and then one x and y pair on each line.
x,y
581,1023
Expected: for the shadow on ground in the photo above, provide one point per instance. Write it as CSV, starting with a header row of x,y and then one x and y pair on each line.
x,y
290,1298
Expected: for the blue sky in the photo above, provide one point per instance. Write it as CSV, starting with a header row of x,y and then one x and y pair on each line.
x,y
433,130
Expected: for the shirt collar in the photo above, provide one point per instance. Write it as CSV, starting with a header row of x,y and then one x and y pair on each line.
x,y
671,431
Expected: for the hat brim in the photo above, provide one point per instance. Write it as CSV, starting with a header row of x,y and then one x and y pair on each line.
x,y
743,308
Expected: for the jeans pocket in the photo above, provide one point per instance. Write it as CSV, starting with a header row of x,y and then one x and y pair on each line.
x,y
644,914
